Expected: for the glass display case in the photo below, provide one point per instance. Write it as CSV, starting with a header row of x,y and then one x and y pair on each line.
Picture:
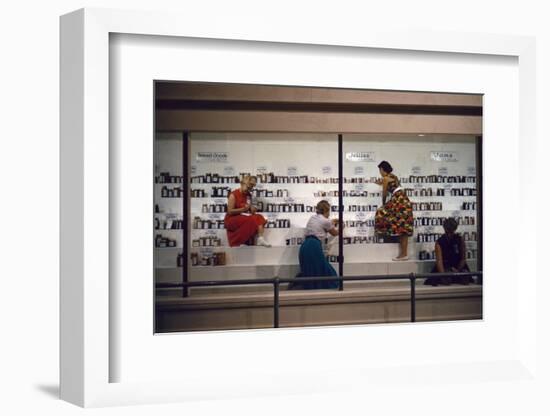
x,y
293,172
195,173
168,222
439,176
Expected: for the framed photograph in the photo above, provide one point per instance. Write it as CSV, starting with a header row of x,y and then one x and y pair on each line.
x,y
162,123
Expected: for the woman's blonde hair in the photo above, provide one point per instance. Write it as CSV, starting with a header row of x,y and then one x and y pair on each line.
x,y
247,178
322,207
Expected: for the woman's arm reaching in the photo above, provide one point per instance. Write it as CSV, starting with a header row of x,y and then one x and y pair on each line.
x,y
231,210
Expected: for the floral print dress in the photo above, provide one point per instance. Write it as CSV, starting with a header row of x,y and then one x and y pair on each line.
x,y
395,217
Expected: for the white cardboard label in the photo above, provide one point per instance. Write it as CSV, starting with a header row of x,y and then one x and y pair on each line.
x,y
361,156
444,156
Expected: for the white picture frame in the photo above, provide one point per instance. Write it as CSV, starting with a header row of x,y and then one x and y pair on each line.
x,y
85,258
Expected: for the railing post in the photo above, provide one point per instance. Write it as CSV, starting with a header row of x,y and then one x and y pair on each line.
x,y
340,212
412,279
185,213
276,303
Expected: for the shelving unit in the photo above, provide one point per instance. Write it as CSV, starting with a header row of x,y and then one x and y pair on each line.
x,y
238,260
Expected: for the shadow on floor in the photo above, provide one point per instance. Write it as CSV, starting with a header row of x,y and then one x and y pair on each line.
x,y
51,390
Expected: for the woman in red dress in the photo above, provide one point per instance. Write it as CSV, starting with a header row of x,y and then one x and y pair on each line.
x,y
241,221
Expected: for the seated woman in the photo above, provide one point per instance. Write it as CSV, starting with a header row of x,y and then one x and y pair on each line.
x,y
450,254
241,221
313,262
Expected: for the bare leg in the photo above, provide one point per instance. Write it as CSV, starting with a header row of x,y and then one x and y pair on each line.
x,y
403,245
260,240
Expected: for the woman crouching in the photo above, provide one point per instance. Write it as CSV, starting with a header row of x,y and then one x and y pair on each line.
x,y
313,262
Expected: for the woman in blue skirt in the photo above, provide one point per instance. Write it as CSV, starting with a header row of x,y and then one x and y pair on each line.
x,y
313,262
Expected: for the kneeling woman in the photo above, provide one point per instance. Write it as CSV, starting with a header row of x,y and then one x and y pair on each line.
x,y
313,262
241,221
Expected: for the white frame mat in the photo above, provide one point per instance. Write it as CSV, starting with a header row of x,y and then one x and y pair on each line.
x,y
85,353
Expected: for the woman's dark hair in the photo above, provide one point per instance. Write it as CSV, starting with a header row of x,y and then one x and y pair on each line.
x,y
386,166
450,225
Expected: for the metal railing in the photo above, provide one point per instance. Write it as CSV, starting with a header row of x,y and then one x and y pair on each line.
x,y
276,282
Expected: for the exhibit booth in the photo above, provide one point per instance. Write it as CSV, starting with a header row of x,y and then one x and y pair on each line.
x,y
305,145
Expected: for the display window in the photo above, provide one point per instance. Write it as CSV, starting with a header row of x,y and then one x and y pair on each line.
x,y
257,205
432,178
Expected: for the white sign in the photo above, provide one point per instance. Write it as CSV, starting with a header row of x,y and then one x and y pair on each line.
x,y
212,157
292,171
416,170
443,171
444,156
359,187
193,170
359,170
361,156
471,170
261,169
361,231
327,170
229,170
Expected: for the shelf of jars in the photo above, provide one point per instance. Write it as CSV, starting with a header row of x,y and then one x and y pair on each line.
x,y
281,199
358,190
271,178
204,259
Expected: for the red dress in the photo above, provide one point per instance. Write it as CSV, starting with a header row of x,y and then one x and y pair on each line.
x,y
241,229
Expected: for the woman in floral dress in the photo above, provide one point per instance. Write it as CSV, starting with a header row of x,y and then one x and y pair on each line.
x,y
394,217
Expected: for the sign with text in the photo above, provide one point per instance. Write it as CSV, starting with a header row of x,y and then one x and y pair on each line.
x,y
361,156
193,170
362,231
358,170
438,156
471,170
261,169
212,157
443,170
229,170
292,171
327,170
